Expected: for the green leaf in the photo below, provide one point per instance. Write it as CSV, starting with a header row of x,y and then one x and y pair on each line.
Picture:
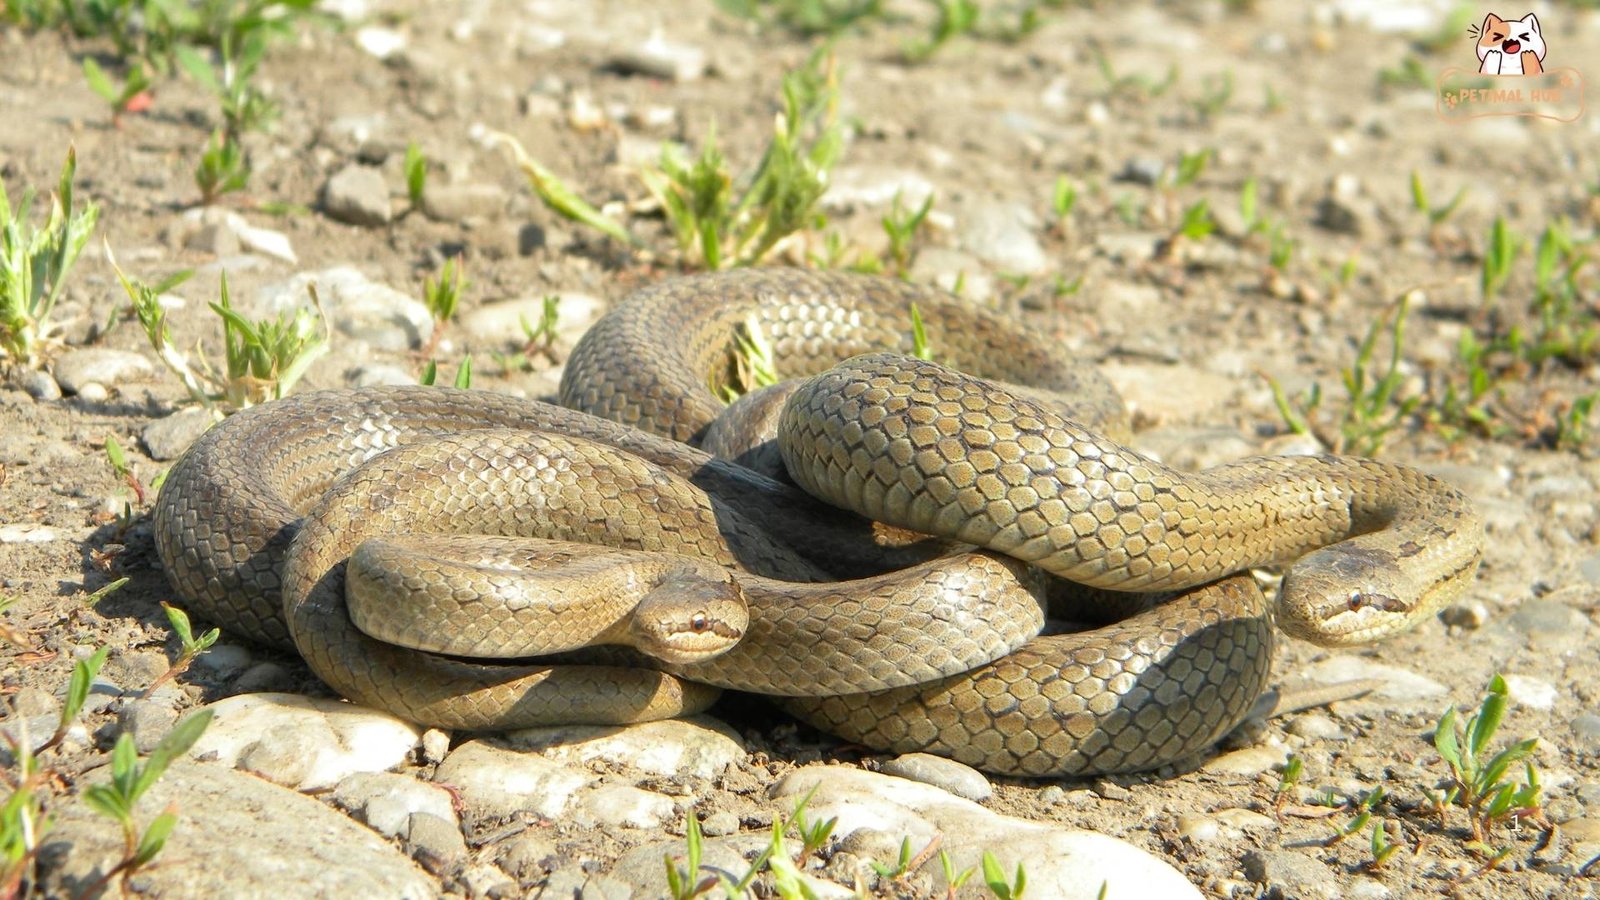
x,y
83,673
174,744
1488,719
99,82
105,800
464,374
180,623
1444,740
154,838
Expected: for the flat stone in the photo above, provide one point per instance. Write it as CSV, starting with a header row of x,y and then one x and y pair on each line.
x,y
500,323
619,805
1534,693
1170,393
359,307
378,374
957,778
357,195
1290,873
698,746
167,437
459,202
494,782
380,42
1398,688
949,269
386,800
873,187
1193,449
236,836
77,369
148,721
1547,619
435,842
1247,762
306,743
27,533
1317,727
1002,235
661,58
1060,862
39,385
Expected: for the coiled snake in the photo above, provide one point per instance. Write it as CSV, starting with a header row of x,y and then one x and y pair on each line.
x,y
929,644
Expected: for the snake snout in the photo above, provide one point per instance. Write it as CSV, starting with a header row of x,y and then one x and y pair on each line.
x,y
688,617
1347,594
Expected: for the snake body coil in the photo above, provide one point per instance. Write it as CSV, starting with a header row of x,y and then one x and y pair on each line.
x,y
925,646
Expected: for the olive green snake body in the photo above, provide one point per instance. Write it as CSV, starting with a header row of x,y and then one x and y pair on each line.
x,y
928,644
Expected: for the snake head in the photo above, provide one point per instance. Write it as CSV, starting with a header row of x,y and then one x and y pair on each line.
x,y
688,617
1348,594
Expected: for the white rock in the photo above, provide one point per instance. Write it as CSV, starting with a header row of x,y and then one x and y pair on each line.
x,y
224,659
1399,687
386,800
77,369
698,747
236,836
358,307
661,58
27,533
495,782
501,322
1061,863
1162,393
619,804
1246,762
870,186
306,743
1531,692
380,42
1002,235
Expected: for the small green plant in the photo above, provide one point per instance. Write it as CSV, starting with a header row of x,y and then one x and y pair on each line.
x,y
953,879
807,17
1288,781
416,169
261,360
952,19
1410,73
34,264
538,339
1215,95
919,336
189,646
1197,222
1436,215
1363,815
121,95
243,106
83,675
901,226
1374,406
222,169
23,822
1497,260
1137,87
105,590
753,363
1383,846
1478,781
716,223
684,883
1002,887
1063,199
441,296
463,379
130,779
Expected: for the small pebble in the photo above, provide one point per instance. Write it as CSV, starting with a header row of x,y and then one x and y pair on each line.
x,y
39,385
1533,693
148,721
484,880
357,195
1471,615
264,678
167,437
1110,790
1198,828
720,823
435,746
1316,726
435,842
659,58
1290,874
76,370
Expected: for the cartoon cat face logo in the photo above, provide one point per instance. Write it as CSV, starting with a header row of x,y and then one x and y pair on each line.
x,y
1510,47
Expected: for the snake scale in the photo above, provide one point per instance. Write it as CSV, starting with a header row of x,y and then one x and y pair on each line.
x,y
835,597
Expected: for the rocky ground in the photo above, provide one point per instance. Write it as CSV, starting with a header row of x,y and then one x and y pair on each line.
x,y
1313,102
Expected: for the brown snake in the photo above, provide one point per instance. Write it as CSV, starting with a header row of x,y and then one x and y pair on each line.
x,y
258,523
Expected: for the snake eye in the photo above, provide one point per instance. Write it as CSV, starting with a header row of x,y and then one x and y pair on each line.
x,y
1355,601
700,623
